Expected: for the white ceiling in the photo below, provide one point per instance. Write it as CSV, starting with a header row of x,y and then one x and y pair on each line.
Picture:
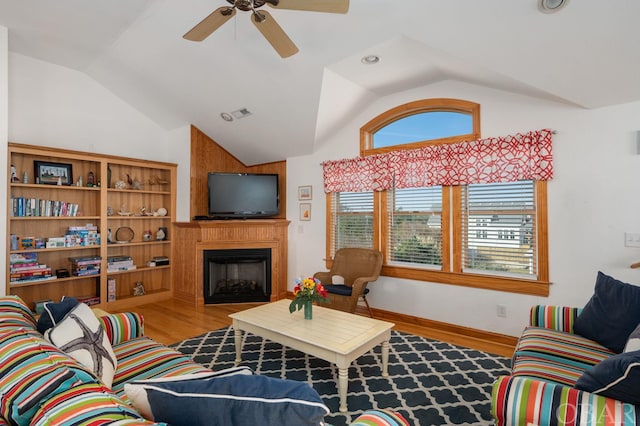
x,y
585,55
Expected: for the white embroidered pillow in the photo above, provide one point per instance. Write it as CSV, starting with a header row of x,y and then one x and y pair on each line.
x,y
81,336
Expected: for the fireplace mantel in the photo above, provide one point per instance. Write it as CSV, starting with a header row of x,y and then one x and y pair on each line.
x,y
190,239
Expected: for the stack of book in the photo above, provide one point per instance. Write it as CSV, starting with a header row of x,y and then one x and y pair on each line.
x,y
24,267
21,206
86,265
86,235
120,263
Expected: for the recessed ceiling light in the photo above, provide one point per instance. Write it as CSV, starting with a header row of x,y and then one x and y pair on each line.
x,y
370,59
551,6
226,116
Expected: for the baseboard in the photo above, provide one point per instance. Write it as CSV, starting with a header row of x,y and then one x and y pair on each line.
x,y
488,336
496,343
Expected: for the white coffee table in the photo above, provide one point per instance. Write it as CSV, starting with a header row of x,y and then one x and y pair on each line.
x,y
335,336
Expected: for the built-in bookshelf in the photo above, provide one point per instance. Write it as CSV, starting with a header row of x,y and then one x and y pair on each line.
x,y
70,212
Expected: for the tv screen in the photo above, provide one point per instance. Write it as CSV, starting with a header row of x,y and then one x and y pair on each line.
x,y
242,195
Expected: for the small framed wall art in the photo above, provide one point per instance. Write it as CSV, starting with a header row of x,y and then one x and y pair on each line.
x,y
305,211
53,173
304,193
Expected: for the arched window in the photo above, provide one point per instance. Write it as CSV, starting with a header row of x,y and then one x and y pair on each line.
x,y
428,121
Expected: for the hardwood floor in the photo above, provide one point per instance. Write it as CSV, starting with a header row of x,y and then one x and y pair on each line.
x,y
172,321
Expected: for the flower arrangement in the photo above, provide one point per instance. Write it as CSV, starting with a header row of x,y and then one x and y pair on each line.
x,y
307,290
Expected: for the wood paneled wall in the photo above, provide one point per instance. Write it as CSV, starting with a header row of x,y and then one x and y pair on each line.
x,y
207,156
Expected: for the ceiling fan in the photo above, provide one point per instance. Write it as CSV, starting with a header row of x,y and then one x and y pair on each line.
x,y
263,20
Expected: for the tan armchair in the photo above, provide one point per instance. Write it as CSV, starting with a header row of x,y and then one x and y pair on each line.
x,y
356,267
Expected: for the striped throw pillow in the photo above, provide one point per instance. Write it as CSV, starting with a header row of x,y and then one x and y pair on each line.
x,y
87,404
32,370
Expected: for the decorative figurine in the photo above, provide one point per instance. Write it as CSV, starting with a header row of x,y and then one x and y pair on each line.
x,y
25,177
161,235
146,236
14,174
91,179
138,289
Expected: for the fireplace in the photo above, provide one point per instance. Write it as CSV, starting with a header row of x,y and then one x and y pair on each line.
x,y
237,275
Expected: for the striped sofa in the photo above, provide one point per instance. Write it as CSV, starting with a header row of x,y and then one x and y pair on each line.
x,y
548,360
41,385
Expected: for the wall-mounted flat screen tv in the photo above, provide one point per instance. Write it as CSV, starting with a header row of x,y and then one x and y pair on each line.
x,y
243,195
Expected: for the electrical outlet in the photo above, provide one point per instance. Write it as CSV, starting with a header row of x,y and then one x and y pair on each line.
x,y
501,311
631,239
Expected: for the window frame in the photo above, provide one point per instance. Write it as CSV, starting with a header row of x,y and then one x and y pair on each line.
x,y
417,107
451,223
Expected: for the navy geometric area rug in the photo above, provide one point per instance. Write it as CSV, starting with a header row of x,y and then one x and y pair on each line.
x,y
430,382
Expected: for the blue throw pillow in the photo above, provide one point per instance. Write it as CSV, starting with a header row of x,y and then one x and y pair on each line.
x,y
227,399
611,314
616,377
53,313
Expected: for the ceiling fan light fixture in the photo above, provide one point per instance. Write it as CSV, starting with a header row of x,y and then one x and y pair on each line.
x,y
370,59
226,116
551,6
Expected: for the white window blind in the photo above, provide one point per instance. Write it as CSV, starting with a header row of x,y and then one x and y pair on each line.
x,y
414,226
353,220
499,229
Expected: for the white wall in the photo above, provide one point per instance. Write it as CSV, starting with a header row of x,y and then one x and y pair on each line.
x,y
592,202
4,118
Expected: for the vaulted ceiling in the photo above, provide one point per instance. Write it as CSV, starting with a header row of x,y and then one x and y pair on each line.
x,y
585,55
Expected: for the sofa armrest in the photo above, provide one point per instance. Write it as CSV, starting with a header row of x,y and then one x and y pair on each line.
x,y
122,326
559,318
521,400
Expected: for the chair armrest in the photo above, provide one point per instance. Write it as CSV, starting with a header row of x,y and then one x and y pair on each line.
x,y
324,277
559,318
123,326
520,401
359,284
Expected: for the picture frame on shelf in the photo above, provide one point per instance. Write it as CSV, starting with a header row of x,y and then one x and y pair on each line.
x,y
304,192
48,173
305,211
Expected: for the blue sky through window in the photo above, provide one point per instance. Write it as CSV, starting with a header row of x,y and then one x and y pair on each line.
x,y
422,127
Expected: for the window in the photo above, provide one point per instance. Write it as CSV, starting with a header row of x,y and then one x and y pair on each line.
x,y
352,216
492,214
415,227
479,235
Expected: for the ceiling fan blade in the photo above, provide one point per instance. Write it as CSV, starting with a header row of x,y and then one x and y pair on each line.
x,y
274,34
209,24
328,6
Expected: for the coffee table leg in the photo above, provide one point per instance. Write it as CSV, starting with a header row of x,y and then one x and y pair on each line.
x,y
343,382
237,336
385,358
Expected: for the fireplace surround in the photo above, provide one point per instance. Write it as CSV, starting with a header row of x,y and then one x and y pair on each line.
x,y
191,239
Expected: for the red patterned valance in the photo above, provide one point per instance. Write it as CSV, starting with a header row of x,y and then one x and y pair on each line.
x,y
500,159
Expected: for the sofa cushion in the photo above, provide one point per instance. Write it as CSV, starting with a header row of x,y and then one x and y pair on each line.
x,y
87,404
31,371
611,314
236,399
55,312
555,356
81,335
142,358
617,377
